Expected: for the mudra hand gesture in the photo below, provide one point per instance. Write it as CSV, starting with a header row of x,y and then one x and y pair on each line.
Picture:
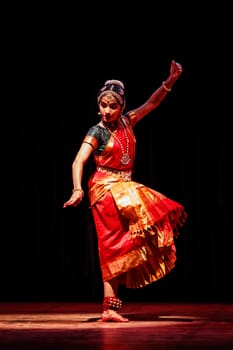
x,y
175,70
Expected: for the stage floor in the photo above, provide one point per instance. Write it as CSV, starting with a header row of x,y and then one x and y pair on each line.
x,y
76,325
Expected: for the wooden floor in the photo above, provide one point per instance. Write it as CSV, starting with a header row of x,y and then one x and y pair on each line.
x,y
160,326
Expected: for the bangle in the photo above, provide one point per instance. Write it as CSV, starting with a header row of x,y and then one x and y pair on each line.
x,y
77,190
165,87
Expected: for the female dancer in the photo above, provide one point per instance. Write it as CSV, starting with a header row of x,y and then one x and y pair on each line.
x,y
135,224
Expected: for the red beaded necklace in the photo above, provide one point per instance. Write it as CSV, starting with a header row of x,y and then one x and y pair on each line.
x,y
125,158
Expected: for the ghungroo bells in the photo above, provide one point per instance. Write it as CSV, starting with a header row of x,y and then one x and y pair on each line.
x,y
112,303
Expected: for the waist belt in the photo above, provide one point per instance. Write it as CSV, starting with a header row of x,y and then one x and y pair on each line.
x,y
124,174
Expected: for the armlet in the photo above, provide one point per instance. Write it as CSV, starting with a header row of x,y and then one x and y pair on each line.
x,y
91,141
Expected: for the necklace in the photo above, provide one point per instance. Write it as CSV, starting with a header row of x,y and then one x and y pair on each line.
x,y
125,158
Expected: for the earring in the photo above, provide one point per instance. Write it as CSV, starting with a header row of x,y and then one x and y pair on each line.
x,y
99,113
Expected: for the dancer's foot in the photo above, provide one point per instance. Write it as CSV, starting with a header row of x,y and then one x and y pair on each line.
x,y
113,316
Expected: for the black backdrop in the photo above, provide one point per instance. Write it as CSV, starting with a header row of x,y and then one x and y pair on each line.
x,y
58,57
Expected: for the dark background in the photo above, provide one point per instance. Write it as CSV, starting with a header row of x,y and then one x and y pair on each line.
x,y
58,58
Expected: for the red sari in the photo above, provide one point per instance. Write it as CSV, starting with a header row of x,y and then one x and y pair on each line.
x,y
135,224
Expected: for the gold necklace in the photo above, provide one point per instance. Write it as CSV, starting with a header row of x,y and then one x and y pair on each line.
x,y
125,158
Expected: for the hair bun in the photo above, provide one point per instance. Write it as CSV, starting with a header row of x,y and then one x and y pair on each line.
x,y
114,82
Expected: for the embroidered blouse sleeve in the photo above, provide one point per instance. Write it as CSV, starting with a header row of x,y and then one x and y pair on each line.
x,y
97,137
132,117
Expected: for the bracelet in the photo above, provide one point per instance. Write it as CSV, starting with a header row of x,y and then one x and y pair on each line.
x,y
77,189
165,87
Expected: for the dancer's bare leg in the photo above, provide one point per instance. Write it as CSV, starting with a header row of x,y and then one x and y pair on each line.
x,y
111,302
111,288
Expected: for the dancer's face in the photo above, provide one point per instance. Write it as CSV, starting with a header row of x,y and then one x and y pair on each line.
x,y
110,108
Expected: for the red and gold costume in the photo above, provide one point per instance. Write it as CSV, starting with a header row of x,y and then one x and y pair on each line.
x,y
135,224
